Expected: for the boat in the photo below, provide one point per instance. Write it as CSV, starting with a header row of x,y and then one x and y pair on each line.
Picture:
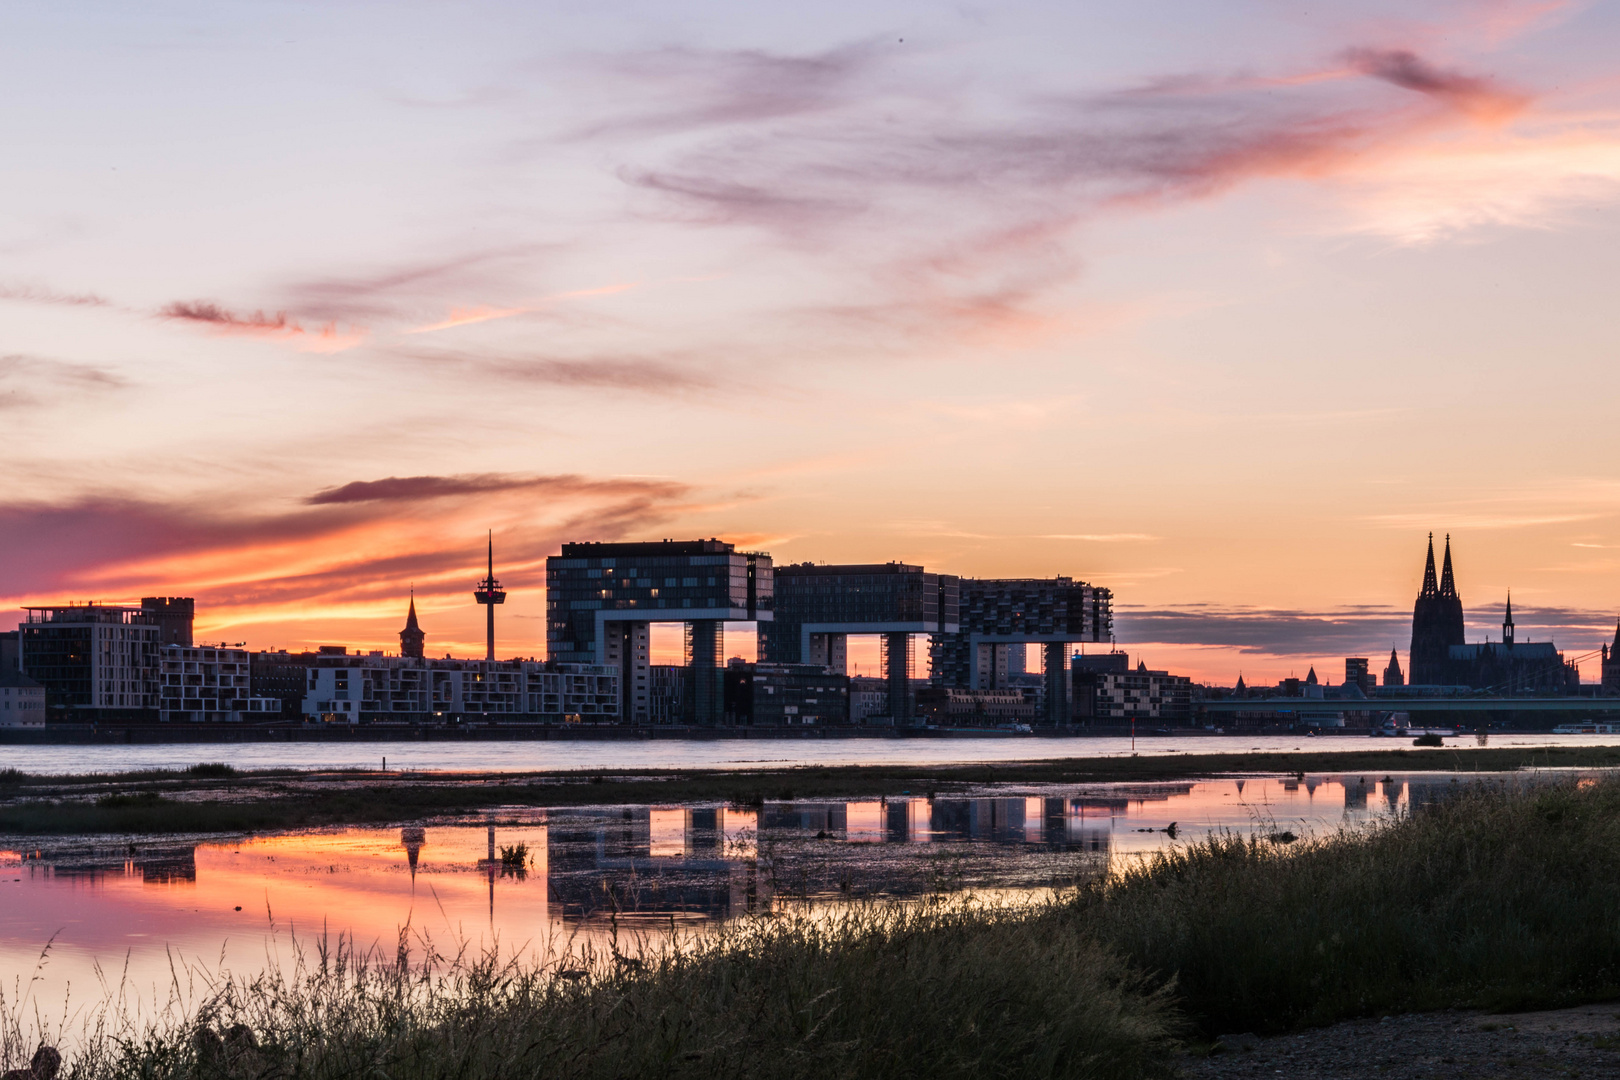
x,y
1588,727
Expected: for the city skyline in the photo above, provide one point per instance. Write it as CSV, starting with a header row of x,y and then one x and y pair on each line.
x,y
1223,310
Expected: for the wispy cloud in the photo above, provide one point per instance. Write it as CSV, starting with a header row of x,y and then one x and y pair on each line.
x,y
33,380
1480,98
326,558
40,294
419,488
631,373
324,339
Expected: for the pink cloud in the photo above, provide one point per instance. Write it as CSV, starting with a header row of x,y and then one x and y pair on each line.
x,y
278,327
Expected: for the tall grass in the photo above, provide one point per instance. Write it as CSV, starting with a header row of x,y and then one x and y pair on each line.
x,y
945,989
1497,897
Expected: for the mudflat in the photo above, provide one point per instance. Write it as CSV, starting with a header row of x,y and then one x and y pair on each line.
x,y
1582,1041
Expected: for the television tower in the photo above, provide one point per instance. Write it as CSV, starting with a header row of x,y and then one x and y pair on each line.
x,y
489,594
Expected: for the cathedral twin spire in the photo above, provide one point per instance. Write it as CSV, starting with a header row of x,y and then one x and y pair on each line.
x,y
1446,586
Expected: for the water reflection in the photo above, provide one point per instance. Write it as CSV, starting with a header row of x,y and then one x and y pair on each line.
x,y
527,878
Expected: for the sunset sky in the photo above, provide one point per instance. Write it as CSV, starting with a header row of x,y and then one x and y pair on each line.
x,y
1223,306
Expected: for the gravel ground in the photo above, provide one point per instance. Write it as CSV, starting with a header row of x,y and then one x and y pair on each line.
x,y
1581,1042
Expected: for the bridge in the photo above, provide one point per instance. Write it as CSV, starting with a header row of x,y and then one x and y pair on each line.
x,y
1495,703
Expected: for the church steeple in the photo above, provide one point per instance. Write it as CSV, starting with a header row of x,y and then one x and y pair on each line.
x,y
1430,586
411,639
1392,674
1507,621
1448,586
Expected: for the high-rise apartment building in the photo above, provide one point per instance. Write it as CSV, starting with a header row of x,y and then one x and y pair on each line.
x,y
96,661
601,600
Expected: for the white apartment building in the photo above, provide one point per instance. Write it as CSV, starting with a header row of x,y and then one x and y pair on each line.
x,y
22,701
401,689
92,656
209,684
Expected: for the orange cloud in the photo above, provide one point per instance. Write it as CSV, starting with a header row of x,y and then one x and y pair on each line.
x,y
468,317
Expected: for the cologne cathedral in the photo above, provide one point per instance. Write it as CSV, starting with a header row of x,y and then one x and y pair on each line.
x,y
1441,655
1437,623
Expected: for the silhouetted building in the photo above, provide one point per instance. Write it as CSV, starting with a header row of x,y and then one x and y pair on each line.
x,y
1358,671
818,607
488,593
996,613
172,615
949,706
769,695
1107,690
8,650
1437,622
601,600
1392,673
1611,664
1512,667
283,676
412,641
666,693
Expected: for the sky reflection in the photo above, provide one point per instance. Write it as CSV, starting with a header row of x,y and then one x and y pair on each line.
x,y
242,904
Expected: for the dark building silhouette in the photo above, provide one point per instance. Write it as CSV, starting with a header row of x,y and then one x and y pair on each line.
x,y
818,607
173,615
1611,665
412,639
1437,622
1512,667
602,599
489,593
1392,674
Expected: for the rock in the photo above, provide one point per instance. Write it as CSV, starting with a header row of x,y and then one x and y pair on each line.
x,y
1233,1043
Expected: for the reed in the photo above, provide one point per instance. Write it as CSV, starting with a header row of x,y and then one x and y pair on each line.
x,y
942,989
1505,895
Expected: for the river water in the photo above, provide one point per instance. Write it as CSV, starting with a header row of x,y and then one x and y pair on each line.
x,y
113,911
526,756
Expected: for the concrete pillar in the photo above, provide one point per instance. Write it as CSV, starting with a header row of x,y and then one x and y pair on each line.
x,y
897,676
1057,683
705,677
838,653
990,667
830,651
628,647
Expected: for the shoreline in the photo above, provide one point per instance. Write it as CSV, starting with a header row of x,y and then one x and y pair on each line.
x,y
190,734
219,799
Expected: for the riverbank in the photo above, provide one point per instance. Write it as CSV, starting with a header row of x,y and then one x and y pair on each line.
x,y
1499,897
219,799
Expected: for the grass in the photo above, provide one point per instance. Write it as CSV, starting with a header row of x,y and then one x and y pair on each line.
x,y
942,990
215,798
1502,897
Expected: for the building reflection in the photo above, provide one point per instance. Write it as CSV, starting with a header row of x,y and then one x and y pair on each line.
x,y
724,861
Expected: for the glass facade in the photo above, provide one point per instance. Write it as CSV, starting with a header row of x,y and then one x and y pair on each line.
x,y
1035,609
874,594
672,581
95,661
